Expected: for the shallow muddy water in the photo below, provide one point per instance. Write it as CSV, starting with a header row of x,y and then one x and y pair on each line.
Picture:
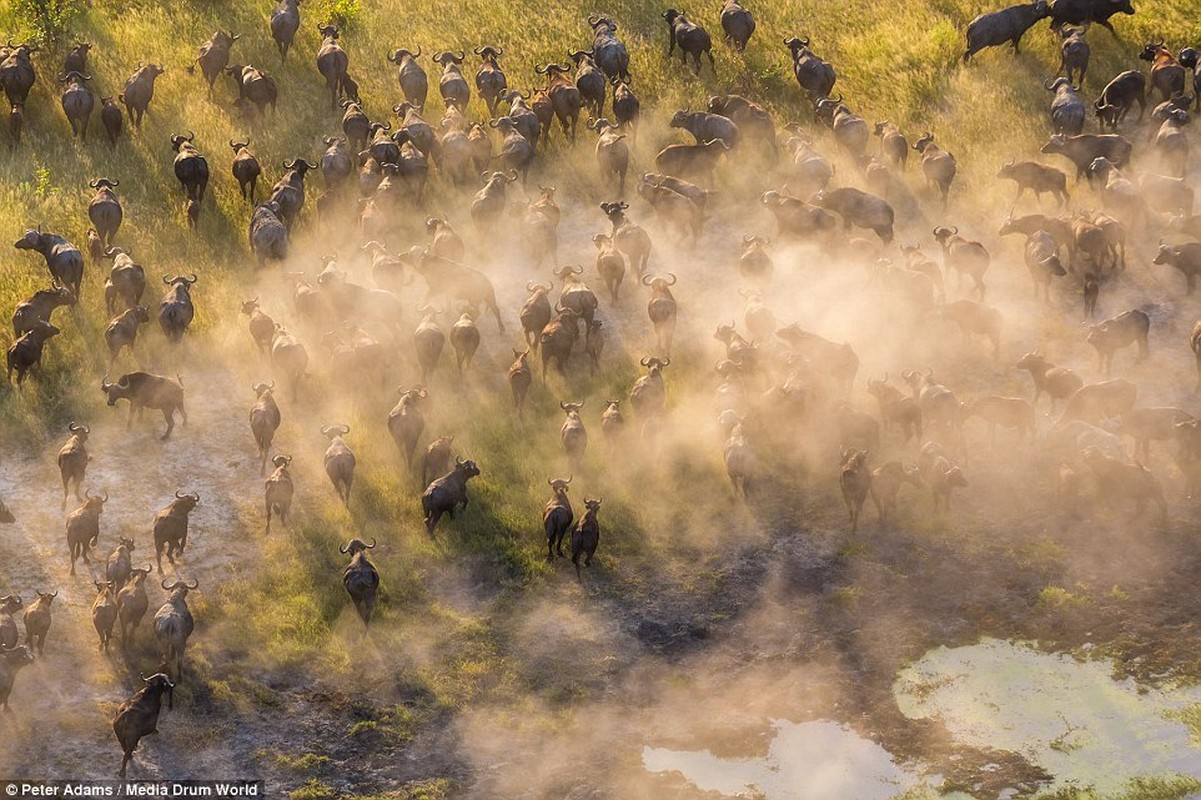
x,y
1068,716
805,761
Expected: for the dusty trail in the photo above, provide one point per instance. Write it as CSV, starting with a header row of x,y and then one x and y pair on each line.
x,y
141,475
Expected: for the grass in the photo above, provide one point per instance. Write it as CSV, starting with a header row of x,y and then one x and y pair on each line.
x,y
1056,597
305,762
1160,788
897,60
313,789
438,789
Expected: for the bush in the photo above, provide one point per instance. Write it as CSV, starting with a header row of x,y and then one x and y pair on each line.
x,y
342,13
48,20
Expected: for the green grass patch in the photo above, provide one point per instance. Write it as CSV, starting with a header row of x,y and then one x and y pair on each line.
x,y
1056,598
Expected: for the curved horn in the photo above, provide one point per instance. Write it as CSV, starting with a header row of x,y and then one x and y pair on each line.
x,y
372,545
179,495
647,279
166,280
164,585
673,279
193,585
343,548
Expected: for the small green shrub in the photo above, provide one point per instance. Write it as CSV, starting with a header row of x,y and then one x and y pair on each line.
x,y
342,13
48,20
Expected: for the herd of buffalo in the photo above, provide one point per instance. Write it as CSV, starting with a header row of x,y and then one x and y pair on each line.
x,y
769,376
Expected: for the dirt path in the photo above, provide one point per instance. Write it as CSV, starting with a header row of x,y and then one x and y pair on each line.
x,y
73,691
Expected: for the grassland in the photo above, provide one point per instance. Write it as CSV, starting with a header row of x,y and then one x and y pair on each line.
x,y
478,638
898,61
